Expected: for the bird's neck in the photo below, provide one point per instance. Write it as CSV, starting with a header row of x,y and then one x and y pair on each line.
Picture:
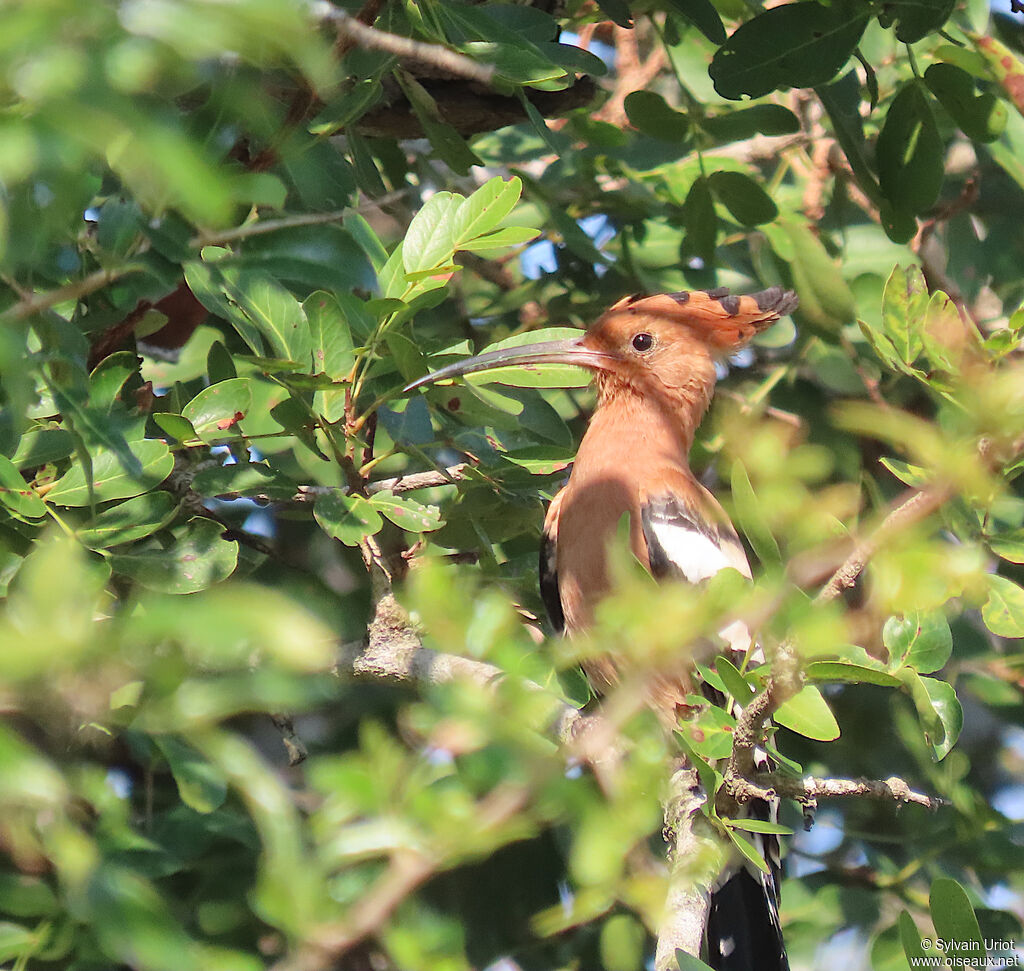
x,y
655,427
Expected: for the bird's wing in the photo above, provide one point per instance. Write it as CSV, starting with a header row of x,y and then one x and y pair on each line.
x,y
549,592
685,542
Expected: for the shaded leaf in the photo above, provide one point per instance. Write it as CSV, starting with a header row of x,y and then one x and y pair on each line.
x,y
954,919
16,494
748,203
915,19
703,15
796,45
910,152
980,116
649,113
128,521
201,785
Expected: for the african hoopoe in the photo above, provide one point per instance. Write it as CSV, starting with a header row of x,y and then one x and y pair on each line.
x,y
653,360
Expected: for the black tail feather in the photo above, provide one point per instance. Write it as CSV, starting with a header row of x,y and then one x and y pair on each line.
x,y
743,931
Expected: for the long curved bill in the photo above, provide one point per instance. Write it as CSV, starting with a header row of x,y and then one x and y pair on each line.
x,y
570,351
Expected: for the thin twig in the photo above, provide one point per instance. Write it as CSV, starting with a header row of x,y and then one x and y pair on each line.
x,y
259,227
94,281
913,508
405,48
395,484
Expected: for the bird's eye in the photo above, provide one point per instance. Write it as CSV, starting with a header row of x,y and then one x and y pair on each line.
x,y
643,342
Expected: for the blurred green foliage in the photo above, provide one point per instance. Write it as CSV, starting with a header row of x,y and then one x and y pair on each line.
x,y
230,234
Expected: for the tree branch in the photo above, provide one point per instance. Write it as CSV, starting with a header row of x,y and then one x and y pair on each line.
x,y
915,506
807,791
689,893
402,47
394,654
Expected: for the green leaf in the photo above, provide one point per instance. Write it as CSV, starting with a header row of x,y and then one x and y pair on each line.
x,y
1008,545
201,785
980,116
180,429
911,941
1003,612
703,15
649,113
826,301
954,919
206,282
910,152
333,350
272,309
842,101
110,480
617,11
757,826
742,123
915,19
407,513
40,445
16,942
216,410
315,257
16,494
751,519
938,708
450,146
748,850
541,459
701,222
509,236
346,518
220,365
243,478
847,673
429,242
109,377
911,475
748,203
904,305
808,714
622,943
128,521
920,640
687,962
735,683
796,45
358,97
199,558
483,210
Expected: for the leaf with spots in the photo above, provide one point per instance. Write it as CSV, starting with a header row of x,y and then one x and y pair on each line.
x,y
407,513
346,518
217,409
199,558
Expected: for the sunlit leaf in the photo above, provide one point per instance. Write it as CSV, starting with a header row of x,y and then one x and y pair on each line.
x,y
808,714
109,478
